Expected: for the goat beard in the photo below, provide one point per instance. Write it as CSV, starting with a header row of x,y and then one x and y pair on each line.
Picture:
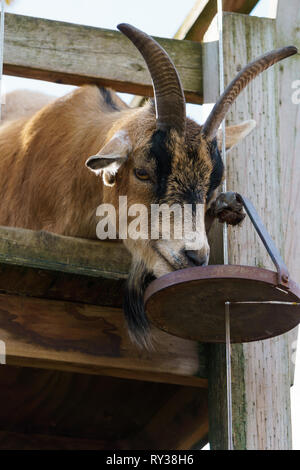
x,y
137,322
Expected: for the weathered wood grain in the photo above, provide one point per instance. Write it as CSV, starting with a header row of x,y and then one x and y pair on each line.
x,y
43,264
57,285
74,54
92,339
45,250
288,32
84,336
260,371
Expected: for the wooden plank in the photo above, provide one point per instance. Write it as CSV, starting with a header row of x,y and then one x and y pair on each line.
x,y
288,32
45,250
74,54
261,398
43,264
48,404
68,336
92,339
56,285
198,20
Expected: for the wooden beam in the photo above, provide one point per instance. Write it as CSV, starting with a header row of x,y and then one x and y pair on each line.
x,y
260,370
45,265
92,339
288,20
89,336
45,250
198,20
74,54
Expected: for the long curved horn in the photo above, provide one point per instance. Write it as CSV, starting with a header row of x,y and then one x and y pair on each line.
x,y
233,90
168,92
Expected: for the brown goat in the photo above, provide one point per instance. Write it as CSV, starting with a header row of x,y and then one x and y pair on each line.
x,y
152,154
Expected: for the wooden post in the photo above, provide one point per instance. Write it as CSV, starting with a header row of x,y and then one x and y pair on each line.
x,y
288,32
260,370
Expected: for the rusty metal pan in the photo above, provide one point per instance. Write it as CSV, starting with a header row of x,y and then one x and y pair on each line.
x,y
190,303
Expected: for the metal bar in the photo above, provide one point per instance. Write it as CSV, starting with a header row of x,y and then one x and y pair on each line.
x,y
273,302
283,274
225,235
222,87
228,376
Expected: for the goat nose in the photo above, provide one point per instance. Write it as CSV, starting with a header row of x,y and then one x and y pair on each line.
x,y
196,259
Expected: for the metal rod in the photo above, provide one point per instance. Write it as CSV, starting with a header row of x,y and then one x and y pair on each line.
x,y
228,376
222,87
273,302
225,236
282,270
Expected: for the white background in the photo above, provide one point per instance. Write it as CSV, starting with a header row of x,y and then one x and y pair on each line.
x,y
158,18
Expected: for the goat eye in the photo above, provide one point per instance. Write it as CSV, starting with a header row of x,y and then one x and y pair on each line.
x,y
141,174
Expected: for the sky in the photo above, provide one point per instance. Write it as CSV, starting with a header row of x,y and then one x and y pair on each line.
x,y
158,18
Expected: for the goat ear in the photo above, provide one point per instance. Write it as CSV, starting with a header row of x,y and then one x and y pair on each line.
x,y
234,134
111,157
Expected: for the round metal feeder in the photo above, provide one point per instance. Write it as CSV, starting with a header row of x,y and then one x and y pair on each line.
x,y
190,303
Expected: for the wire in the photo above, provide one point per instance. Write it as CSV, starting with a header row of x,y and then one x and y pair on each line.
x,y
228,375
225,236
222,87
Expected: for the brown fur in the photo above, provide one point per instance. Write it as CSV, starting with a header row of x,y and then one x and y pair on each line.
x,y
44,184
43,181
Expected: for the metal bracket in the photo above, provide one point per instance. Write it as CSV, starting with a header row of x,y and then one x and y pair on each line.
x,y
283,274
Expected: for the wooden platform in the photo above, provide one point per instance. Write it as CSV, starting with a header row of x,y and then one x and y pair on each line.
x,y
68,350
